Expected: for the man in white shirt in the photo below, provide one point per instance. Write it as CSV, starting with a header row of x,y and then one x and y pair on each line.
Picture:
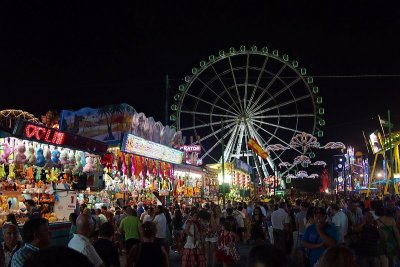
x,y
281,226
161,223
339,219
81,243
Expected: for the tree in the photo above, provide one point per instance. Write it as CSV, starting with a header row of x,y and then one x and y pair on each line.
x,y
108,112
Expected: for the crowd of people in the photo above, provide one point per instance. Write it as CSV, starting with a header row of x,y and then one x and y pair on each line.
x,y
305,231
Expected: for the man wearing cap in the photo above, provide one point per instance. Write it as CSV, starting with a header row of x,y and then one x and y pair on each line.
x,y
319,236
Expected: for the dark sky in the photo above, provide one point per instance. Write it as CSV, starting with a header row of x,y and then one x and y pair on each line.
x,y
72,54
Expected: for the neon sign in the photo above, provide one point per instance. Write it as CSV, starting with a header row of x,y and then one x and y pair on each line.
x,y
44,134
139,146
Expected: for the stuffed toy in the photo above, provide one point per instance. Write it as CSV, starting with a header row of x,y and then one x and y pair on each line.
x,y
78,163
2,172
55,157
11,173
64,158
89,165
40,160
20,157
71,160
83,158
47,157
31,155
7,150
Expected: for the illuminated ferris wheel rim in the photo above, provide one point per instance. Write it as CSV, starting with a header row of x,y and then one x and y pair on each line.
x,y
236,113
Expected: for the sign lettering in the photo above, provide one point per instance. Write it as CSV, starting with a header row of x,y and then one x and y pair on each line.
x,y
43,134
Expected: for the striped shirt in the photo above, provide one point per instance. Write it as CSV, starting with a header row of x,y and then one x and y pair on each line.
x,y
23,254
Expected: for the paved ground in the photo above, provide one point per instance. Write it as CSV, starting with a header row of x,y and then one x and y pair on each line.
x,y
175,258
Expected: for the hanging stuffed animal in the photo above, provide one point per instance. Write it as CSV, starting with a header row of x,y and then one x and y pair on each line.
x,y
78,164
11,173
55,157
7,150
20,157
40,160
89,164
2,172
64,158
31,155
71,160
47,156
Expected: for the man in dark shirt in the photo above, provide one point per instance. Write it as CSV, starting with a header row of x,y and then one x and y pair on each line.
x,y
33,212
104,246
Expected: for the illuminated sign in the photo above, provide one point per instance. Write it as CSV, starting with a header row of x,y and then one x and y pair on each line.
x,y
191,148
42,134
139,146
48,135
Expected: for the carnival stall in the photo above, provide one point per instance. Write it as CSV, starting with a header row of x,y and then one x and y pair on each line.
x,y
140,160
235,181
46,165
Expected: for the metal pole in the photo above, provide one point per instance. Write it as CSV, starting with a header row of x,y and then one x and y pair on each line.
x,y
223,163
391,156
166,98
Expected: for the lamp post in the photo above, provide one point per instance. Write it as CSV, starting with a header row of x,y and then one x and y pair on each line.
x,y
223,164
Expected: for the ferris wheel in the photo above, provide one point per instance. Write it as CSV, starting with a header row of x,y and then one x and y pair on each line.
x,y
246,94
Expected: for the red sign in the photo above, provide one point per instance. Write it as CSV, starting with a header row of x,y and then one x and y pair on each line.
x,y
48,135
42,134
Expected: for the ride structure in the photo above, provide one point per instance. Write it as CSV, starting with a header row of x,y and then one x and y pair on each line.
x,y
247,94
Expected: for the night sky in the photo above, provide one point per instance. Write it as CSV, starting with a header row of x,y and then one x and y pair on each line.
x,y
73,54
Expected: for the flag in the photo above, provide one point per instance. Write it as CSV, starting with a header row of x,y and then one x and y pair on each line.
x,y
385,124
257,149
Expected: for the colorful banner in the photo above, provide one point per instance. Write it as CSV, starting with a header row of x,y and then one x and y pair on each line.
x,y
257,149
139,146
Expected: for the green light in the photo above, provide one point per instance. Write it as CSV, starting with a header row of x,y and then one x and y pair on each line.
x,y
174,107
315,89
303,71
211,58
232,50
310,80
285,57
187,78
194,70
242,48
275,53
321,111
320,133
202,63
321,122
172,117
295,64
177,97
264,49
312,155
221,53
254,48
319,100
181,87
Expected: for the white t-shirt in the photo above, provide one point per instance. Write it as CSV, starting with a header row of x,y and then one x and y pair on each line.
x,y
82,244
147,218
161,223
279,218
341,222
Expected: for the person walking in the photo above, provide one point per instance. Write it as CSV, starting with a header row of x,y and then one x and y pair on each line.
x,y
130,227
